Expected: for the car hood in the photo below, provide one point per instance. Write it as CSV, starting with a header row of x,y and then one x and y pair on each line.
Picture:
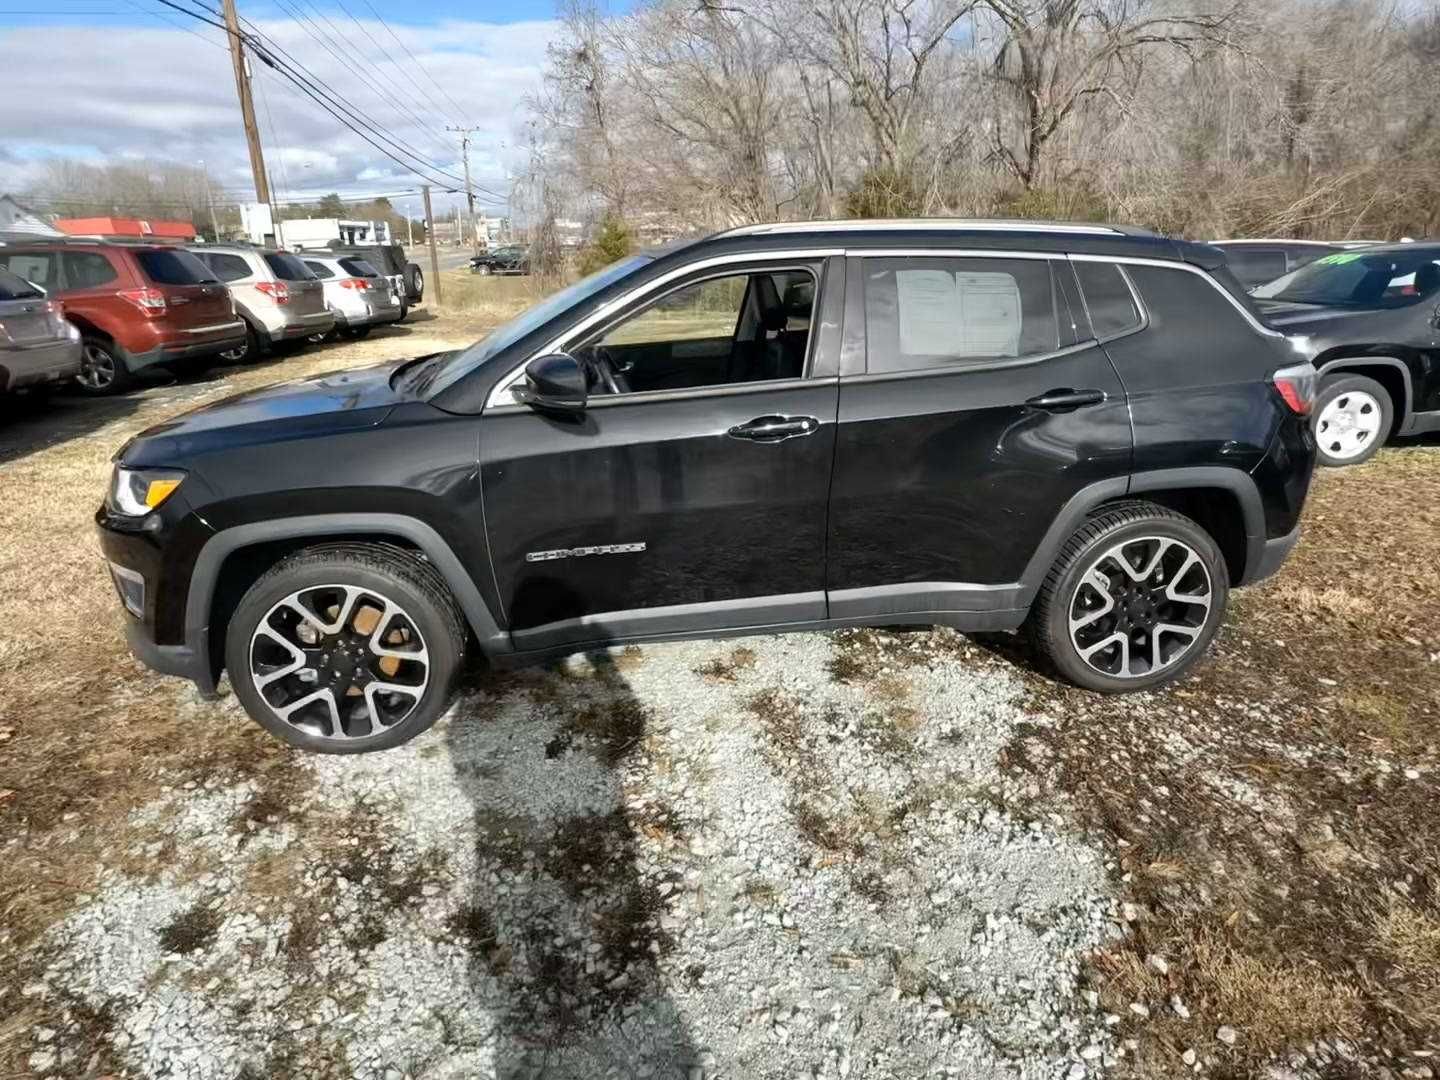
x,y
320,404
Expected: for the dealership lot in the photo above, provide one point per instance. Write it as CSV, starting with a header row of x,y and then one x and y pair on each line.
x,y
873,853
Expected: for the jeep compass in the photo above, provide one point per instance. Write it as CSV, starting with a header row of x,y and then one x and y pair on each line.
x,y
1084,432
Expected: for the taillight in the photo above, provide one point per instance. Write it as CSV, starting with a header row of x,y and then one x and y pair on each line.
x,y
354,283
276,290
150,301
1296,384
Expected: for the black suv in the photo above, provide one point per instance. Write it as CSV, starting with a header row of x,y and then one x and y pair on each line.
x,y
1078,429
1369,320
511,259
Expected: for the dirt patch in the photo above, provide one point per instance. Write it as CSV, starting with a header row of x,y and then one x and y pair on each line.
x,y
191,930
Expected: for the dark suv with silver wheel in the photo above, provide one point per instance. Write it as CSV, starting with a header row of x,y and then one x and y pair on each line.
x,y
1084,432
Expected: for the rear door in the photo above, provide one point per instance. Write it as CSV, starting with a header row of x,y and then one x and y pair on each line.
x,y
307,294
671,510
974,404
195,298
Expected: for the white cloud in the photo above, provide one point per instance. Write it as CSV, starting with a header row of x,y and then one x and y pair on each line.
x,y
110,93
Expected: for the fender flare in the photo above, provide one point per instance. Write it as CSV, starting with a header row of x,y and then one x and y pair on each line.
x,y
206,573
1404,408
1080,506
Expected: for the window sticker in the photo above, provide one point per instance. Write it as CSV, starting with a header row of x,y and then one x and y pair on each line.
x,y
929,313
1340,258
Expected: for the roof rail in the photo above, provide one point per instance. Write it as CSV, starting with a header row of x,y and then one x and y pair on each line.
x,y
934,225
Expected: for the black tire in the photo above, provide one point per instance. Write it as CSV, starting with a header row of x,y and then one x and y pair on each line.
x,y
1351,395
248,353
104,368
390,573
357,333
415,283
1135,523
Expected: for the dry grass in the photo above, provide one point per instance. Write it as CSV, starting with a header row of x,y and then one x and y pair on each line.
x,y
490,299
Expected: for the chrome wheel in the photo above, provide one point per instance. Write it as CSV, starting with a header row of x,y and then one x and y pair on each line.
x,y
1349,424
1140,607
97,368
339,662
237,354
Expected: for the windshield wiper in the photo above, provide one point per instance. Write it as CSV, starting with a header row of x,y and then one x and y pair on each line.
x,y
415,375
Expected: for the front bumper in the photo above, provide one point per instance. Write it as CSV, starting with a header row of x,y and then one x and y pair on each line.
x,y
34,364
183,661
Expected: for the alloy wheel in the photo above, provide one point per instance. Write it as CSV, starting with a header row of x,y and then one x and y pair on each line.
x,y
97,368
237,354
1348,424
1140,607
339,662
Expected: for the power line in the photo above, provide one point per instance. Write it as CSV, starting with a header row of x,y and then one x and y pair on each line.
x,y
348,120
413,59
178,26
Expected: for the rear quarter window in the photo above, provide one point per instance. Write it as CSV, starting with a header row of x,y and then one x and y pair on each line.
x,y
38,266
173,267
1255,266
1108,299
227,267
16,288
87,269
358,267
287,267
319,269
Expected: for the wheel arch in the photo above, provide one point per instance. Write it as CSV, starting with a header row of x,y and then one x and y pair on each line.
x,y
1391,372
1223,501
234,558
89,328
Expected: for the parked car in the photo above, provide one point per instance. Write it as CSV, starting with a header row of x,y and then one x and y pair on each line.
x,y
1255,262
136,305
1369,320
280,300
38,347
358,295
1085,431
405,277
511,259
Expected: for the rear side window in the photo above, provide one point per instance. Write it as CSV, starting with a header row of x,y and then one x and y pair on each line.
x,y
16,288
936,312
226,267
173,267
358,267
287,267
39,267
1108,298
1255,266
319,269
87,269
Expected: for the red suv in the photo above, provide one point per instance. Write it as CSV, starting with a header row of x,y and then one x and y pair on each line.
x,y
136,305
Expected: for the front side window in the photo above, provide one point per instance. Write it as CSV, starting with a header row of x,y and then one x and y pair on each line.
x,y
87,270
736,328
926,312
1108,298
37,267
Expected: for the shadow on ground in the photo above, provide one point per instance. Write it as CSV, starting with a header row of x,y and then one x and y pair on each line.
x,y
563,934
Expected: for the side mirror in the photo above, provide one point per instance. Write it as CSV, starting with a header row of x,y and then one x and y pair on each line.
x,y
554,381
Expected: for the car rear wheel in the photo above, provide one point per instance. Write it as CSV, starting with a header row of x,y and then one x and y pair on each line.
x,y
102,368
1352,419
356,333
246,353
1134,600
346,648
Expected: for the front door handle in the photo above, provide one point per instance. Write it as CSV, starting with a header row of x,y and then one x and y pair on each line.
x,y
1065,399
773,429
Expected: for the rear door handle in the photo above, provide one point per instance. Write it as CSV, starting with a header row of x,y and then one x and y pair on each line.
x,y
1065,399
773,429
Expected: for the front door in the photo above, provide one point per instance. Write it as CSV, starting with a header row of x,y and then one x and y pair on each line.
x,y
984,405
690,494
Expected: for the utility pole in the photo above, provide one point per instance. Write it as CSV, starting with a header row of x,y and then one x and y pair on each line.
x,y
430,236
210,201
465,134
247,106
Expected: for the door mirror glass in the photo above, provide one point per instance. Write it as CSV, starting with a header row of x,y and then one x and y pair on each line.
x,y
553,381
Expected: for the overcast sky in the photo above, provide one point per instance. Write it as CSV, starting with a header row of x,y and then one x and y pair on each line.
x,y
103,80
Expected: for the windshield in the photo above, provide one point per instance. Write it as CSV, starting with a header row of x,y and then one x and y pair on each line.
x,y
1384,279
448,368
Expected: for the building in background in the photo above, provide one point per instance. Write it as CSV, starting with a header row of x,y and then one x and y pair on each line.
x,y
19,222
115,228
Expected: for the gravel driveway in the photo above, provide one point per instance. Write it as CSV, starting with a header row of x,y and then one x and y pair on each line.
x,y
741,859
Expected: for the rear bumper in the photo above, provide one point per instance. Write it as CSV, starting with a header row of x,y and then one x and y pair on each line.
x,y
369,317
1273,556
302,326
190,343
50,362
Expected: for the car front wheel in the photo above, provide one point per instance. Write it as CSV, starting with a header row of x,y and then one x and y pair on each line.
x,y
346,648
1133,601
1353,417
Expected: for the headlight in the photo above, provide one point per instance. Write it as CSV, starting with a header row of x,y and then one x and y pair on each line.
x,y
135,492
